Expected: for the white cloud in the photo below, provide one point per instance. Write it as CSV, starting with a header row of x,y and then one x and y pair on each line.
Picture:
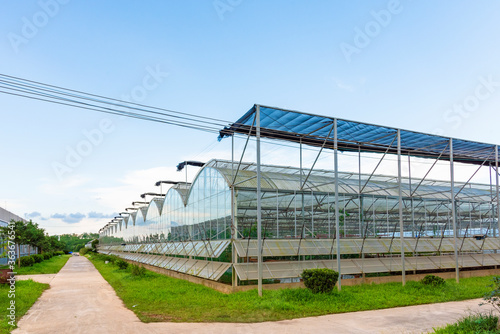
x,y
132,185
56,226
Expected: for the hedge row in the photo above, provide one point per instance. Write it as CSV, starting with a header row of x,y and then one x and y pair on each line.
x,y
28,261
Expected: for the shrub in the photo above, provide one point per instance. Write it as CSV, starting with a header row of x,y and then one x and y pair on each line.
x,y
138,270
59,253
37,257
27,261
320,280
83,251
493,296
104,257
432,280
121,264
46,256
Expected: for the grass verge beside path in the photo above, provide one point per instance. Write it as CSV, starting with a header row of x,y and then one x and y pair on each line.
x,y
156,297
50,266
27,292
474,323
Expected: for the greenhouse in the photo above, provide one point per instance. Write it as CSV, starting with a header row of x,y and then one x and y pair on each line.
x,y
302,218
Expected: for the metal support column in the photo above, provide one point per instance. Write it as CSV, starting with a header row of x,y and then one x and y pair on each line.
x,y
337,220
453,213
234,228
497,190
401,227
259,215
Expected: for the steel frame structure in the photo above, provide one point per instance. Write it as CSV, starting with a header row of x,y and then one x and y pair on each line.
x,y
311,129
308,217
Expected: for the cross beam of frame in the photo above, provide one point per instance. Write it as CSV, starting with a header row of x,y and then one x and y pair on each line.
x,y
378,164
318,155
475,172
426,174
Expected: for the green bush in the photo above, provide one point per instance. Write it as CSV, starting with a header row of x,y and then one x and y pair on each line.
x,y
493,297
432,280
137,270
121,264
46,256
83,251
27,261
320,280
37,257
104,257
59,253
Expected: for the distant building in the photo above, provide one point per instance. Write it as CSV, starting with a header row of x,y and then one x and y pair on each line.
x,y
5,218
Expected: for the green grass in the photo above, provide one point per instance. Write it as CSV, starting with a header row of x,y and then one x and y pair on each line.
x,y
50,266
156,297
474,323
26,293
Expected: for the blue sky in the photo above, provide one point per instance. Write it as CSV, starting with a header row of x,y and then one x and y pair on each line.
x,y
420,65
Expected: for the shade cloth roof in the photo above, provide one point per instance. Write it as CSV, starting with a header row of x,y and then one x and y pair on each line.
x,y
280,178
317,130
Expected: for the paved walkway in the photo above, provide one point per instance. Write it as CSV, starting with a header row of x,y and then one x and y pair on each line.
x,y
81,301
41,278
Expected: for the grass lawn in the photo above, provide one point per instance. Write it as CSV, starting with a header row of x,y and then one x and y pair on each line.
x,y
27,292
474,323
156,297
50,266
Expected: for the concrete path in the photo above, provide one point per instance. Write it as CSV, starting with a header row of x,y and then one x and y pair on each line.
x,y
81,301
40,278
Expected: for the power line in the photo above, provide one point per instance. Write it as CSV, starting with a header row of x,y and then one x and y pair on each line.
x,y
58,89
26,89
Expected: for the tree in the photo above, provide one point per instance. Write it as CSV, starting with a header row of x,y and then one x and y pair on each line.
x,y
34,236
29,233
18,236
74,242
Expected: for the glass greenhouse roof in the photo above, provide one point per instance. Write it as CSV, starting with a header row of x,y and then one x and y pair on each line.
x,y
317,130
280,178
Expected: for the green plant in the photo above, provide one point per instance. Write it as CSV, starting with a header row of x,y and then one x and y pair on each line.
x,y
104,257
474,323
37,258
493,296
59,253
50,266
320,280
46,256
27,261
432,280
122,264
137,270
83,251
